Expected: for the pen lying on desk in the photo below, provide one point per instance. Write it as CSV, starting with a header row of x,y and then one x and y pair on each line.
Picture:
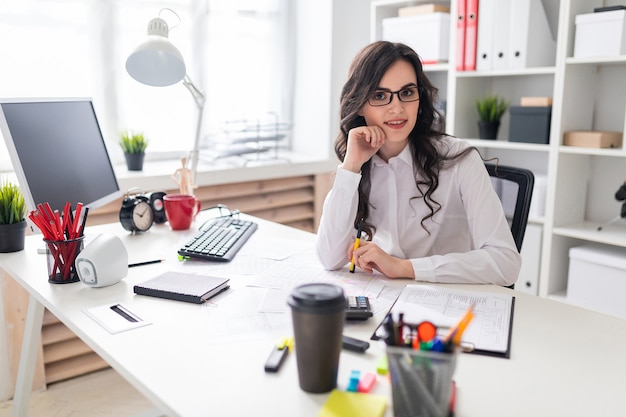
x,y
155,261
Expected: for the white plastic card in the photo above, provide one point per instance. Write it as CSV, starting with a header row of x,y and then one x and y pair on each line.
x,y
115,318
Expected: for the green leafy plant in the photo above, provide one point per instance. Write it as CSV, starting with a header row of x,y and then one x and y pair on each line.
x,y
12,205
491,108
133,142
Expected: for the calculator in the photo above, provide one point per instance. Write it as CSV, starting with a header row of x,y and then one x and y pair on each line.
x,y
358,307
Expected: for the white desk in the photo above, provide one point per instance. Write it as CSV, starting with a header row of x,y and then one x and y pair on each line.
x,y
565,361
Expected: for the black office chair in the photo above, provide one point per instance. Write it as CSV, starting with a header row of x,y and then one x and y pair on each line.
x,y
514,186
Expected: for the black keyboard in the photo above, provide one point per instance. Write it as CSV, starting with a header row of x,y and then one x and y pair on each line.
x,y
219,240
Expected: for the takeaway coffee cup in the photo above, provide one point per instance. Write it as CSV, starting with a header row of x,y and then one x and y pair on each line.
x,y
318,314
180,210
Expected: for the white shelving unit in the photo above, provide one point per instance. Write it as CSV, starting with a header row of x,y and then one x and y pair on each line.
x,y
588,94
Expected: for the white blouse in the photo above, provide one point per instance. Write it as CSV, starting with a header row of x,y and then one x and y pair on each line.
x,y
470,240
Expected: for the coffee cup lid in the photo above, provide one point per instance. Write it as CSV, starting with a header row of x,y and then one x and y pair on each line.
x,y
317,297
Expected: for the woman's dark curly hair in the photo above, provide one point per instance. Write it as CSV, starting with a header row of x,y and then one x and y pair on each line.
x,y
364,76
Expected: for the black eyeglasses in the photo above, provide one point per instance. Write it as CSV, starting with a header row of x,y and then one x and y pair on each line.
x,y
221,211
383,97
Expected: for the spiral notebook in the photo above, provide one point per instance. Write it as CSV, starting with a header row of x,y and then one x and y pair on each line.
x,y
181,286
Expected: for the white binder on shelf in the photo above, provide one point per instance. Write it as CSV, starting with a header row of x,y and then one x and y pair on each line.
x,y
501,23
530,39
484,44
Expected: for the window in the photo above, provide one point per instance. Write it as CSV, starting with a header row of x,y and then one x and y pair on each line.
x,y
239,53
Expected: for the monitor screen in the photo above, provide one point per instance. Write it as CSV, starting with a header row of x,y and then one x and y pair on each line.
x,y
58,152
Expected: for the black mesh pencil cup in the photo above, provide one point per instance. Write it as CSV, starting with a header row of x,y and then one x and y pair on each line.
x,y
421,381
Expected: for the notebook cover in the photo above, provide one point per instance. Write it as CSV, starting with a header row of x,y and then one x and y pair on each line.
x,y
182,286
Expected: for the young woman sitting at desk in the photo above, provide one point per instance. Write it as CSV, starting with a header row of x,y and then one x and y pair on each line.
x,y
423,199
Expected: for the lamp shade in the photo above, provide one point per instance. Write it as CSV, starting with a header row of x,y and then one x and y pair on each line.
x,y
156,62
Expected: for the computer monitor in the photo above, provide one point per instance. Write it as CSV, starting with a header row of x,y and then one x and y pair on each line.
x,y
58,152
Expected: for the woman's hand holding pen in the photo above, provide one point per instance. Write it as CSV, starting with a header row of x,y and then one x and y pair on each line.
x,y
363,143
369,257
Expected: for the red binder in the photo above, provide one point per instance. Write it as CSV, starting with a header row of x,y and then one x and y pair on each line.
x,y
460,34
471,34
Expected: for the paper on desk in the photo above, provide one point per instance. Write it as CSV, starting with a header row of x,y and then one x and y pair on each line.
x,y
280,281
288,275
113,322
239,319
275,301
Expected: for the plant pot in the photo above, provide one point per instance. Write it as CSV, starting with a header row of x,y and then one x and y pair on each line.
x,y
12,237
488,130
134,161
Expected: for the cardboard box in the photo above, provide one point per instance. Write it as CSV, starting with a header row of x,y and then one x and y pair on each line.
x,y
536,101
423,8
597,278
428,34
600,34
593,139
530,124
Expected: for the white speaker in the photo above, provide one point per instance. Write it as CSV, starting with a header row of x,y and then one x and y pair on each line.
x,y
103,262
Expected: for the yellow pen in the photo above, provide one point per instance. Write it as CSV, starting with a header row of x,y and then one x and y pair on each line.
x,y
357,242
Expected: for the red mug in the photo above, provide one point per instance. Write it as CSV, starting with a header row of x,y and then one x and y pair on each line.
x,y
180,210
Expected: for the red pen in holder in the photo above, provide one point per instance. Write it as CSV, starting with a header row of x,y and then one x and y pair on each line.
x,y
61,255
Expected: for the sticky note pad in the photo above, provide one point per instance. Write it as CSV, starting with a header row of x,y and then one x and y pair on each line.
x,y
353,404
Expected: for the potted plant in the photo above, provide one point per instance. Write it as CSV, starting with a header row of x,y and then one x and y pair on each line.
x,y
12,221
490,109
134,145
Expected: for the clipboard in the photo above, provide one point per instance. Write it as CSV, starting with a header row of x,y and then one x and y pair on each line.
x,y
444,307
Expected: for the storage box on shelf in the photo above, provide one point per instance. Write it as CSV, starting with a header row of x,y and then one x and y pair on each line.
x,y
593,139
530,124
422,9
597,278
600,34
428,34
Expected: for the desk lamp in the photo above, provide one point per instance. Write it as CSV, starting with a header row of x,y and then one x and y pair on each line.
x,y
157,62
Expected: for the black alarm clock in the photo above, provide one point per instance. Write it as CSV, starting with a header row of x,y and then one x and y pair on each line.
x,y
136,213
157,205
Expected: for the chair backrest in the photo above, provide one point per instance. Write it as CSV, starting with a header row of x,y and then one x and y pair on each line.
x,y
514,186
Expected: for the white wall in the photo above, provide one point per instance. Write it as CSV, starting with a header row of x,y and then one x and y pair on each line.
x,y
329,34
313,72
351,24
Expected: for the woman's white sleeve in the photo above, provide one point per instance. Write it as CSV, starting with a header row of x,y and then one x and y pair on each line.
x,y
336,230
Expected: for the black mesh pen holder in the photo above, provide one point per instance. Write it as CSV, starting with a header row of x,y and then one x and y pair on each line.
x,y
421,381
